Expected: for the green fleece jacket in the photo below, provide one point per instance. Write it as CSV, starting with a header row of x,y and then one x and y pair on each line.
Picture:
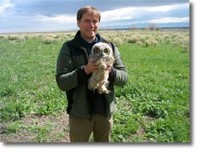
x,y
72,79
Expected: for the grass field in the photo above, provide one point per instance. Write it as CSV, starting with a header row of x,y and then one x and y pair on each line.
x,y
153,107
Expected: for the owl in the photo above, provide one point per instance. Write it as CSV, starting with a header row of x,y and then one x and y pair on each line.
x,y
102,54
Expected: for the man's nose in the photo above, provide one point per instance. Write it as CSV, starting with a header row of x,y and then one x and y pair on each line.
x,y
92,23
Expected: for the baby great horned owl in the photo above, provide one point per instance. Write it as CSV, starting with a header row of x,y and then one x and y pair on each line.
x,y
103,55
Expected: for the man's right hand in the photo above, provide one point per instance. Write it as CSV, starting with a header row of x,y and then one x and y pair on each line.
x,y
90,67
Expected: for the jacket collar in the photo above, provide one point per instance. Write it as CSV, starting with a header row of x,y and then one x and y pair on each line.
x,y
77,40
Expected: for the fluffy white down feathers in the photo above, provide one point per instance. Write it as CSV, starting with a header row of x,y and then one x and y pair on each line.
x,y
103,55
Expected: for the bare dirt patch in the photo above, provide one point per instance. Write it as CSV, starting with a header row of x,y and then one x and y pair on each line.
x,y
33,128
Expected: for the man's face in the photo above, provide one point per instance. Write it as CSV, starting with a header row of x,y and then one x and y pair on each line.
x,y
88,25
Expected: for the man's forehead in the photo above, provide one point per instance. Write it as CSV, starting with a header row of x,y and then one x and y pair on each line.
x,y
90,15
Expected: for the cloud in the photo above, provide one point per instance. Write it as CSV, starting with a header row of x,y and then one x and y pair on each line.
x,y
119,14
164,20
65,19
169,20
58,22
6,4
135,12
165,8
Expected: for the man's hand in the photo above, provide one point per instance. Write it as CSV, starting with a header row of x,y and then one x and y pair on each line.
x,y
90,67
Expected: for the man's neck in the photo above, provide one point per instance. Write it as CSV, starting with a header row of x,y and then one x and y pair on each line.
x,y
89,40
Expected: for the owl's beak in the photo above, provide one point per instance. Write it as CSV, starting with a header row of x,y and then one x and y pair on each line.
x,y
101,54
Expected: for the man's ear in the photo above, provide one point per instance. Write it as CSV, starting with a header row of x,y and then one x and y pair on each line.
x,y
78,22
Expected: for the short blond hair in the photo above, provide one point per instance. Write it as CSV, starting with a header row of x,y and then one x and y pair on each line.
x,y
86,9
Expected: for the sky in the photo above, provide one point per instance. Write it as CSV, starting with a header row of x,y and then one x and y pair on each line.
x,y
60,15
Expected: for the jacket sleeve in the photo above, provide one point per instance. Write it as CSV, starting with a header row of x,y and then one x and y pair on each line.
x,y
67,76
119,73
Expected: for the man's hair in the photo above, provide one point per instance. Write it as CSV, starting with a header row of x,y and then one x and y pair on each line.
x,y
86,9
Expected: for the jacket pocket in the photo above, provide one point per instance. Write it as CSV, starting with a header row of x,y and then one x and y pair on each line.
x,y
80,105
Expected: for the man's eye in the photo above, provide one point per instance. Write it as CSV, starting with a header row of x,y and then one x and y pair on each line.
x,y
95,22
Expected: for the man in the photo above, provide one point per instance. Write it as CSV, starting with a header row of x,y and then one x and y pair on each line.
x,y
89,112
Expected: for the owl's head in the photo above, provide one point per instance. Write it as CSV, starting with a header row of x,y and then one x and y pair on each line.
x,y
101,50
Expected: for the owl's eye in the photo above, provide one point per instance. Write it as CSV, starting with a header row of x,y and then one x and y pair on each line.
x,y
106,51
96,50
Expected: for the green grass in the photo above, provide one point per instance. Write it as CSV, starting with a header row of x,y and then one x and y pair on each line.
x,y
158,88
153,107
28,79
